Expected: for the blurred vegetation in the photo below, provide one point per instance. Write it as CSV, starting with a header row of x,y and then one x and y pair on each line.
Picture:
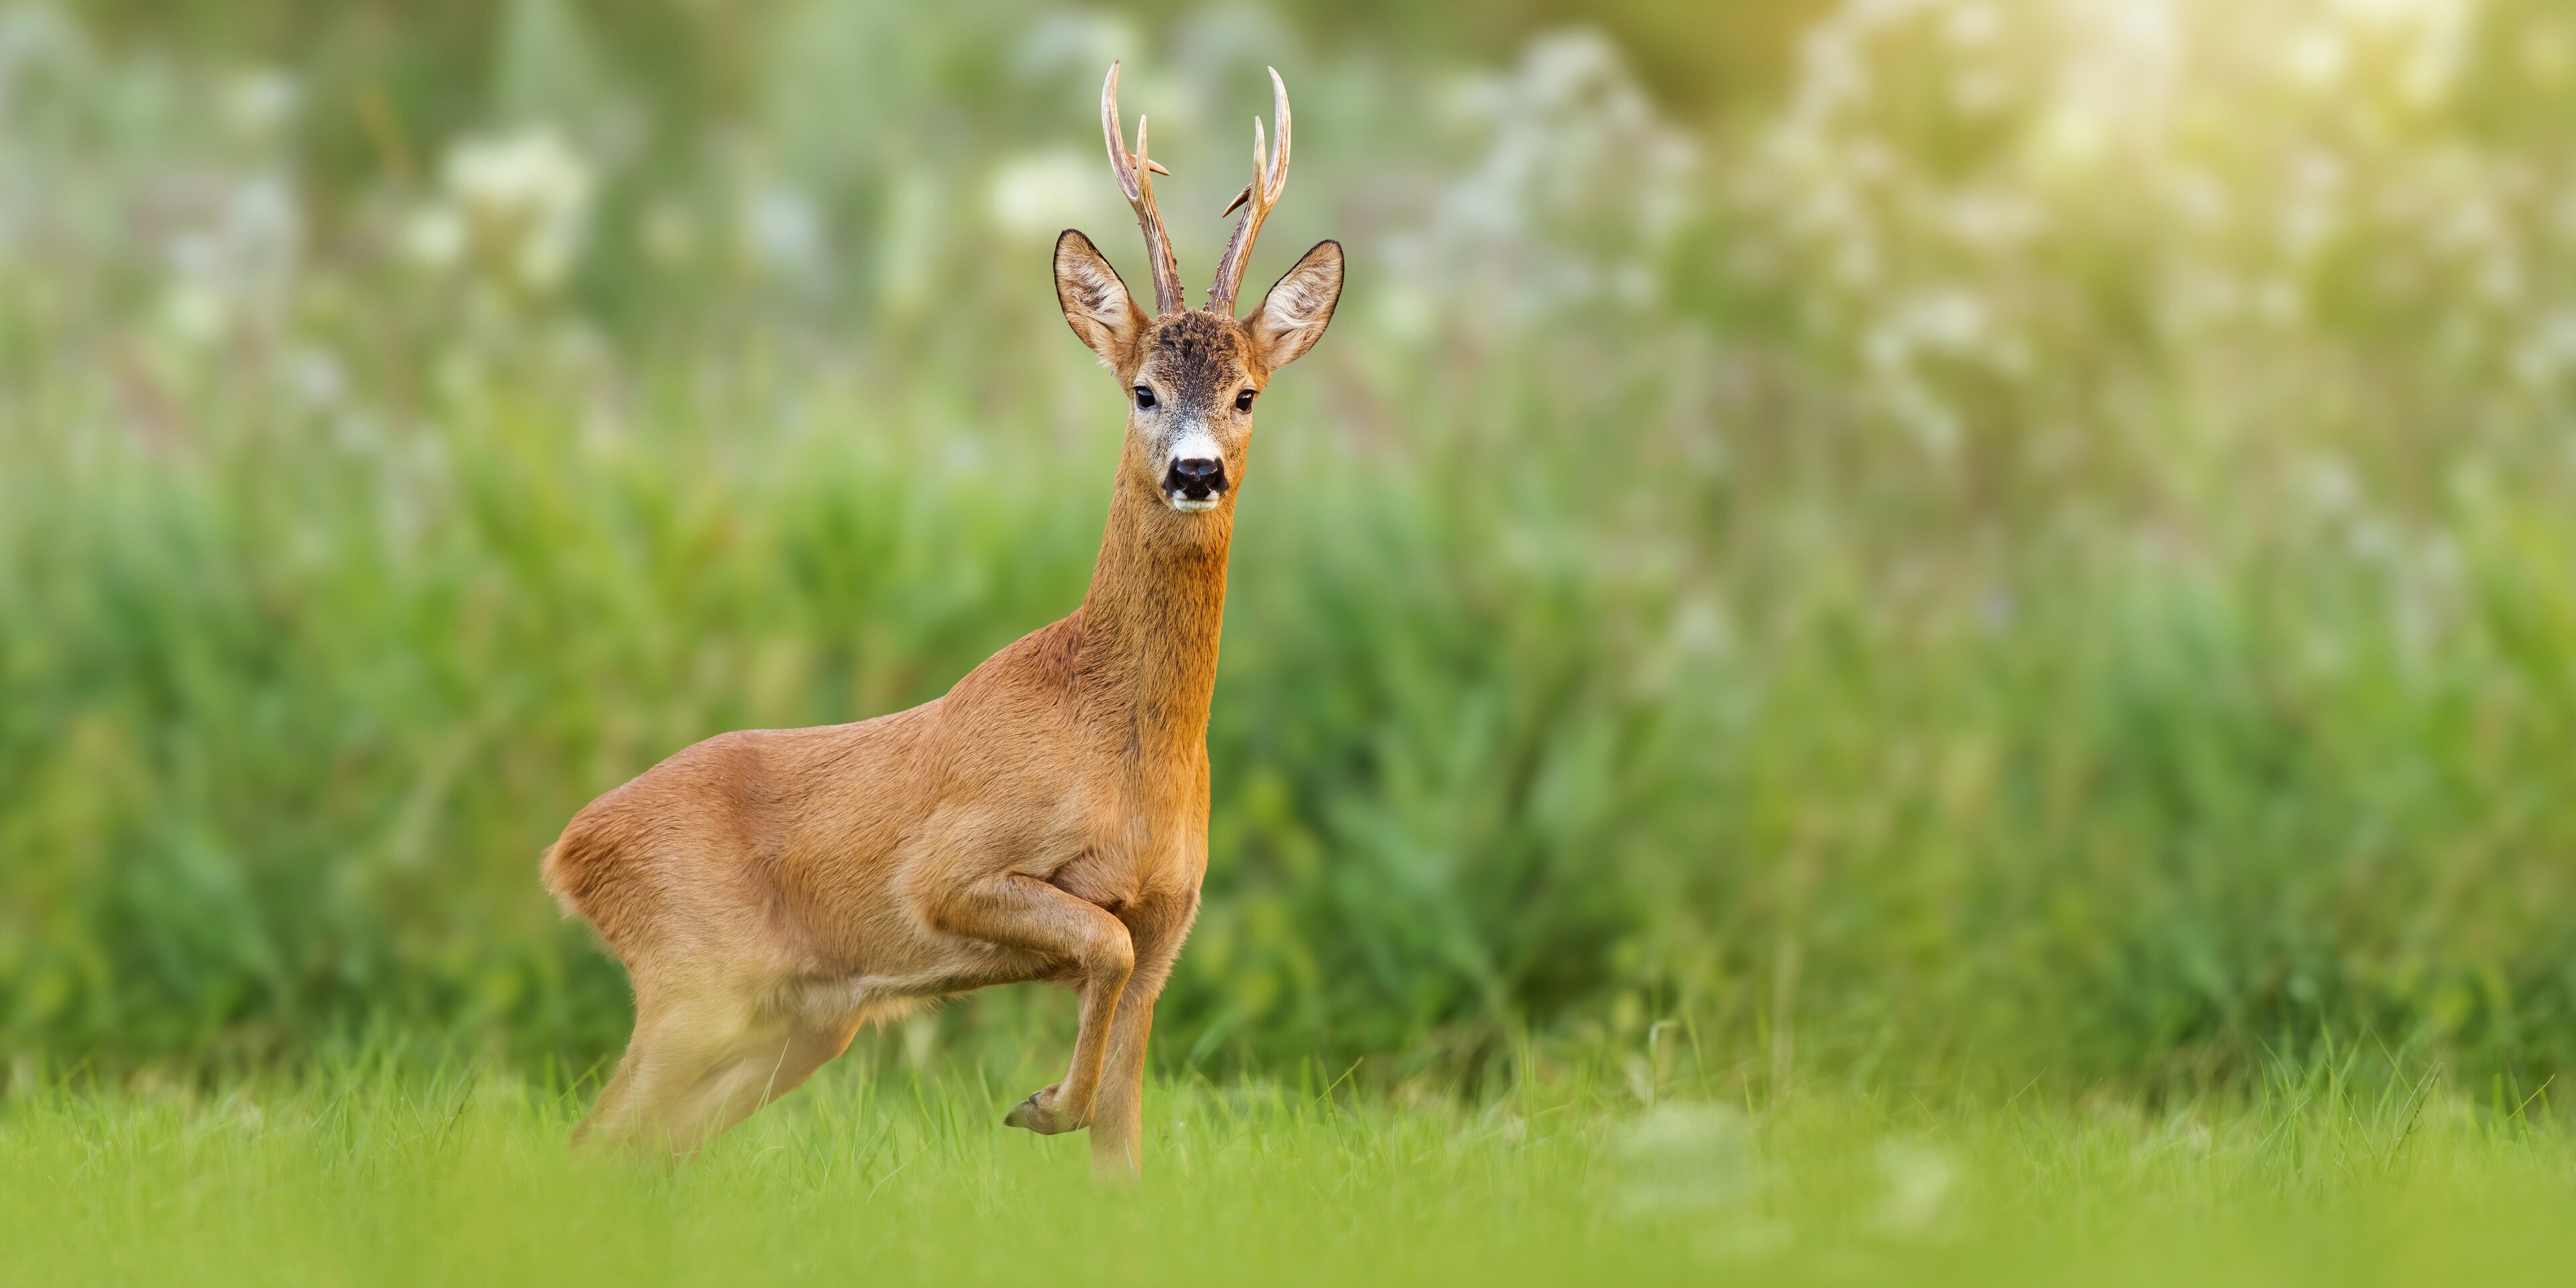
x,y
1917,534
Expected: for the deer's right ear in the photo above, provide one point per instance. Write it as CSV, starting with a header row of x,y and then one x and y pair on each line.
x,y
1096,302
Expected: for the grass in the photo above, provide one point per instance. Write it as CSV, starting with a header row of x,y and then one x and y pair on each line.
x,y
385,1170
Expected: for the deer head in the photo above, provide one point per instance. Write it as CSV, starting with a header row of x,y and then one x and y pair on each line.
x,y
1192,375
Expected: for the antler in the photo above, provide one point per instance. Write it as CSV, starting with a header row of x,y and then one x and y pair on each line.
x,y
1269,179
1134,179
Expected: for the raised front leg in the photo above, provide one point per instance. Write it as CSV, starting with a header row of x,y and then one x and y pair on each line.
x,y
1024,913
1156,926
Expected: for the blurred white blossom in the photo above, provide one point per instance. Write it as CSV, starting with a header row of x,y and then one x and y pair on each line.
x,y
1577,192
2140,176
516,204
235,258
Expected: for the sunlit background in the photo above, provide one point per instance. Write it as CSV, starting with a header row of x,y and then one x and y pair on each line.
x,y
1826,538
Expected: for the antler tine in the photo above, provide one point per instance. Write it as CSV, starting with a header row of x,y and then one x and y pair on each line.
x,y
1269,179
1135,179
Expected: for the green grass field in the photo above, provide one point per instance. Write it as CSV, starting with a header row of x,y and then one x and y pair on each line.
x,y
385,1171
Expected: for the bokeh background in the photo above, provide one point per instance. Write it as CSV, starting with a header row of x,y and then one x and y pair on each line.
x,y
1868,538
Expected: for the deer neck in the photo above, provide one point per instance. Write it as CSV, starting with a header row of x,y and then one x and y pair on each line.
x,y
1151,621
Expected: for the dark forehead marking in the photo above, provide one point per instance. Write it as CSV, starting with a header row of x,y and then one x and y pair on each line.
x,y
1200,355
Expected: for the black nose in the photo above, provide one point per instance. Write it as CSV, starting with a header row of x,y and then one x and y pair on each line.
x,y
1196,478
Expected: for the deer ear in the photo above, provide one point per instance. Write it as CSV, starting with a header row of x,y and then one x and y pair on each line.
x,y
1293,315
1095,301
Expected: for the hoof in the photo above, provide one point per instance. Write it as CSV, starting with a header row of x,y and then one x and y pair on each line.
x,y
1042,1113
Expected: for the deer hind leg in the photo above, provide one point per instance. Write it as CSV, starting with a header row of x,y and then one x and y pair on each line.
x,y
695,1068
1022,913
765,1065
680,1040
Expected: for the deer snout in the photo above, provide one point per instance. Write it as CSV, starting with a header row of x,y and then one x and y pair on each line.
x,y
1194,477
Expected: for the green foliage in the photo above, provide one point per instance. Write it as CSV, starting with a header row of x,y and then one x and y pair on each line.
x,y
1966,568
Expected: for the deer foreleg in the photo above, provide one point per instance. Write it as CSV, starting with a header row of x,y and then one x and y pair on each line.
x,y
1024,913
1156,926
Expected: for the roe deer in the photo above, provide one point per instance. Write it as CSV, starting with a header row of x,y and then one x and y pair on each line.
x,y
769,891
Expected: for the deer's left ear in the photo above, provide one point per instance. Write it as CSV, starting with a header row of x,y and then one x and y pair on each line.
x,y
1293,315
1096,302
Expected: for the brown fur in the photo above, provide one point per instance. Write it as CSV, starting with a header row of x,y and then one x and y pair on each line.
x,y
1046,819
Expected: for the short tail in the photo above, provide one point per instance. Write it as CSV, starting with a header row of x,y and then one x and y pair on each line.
x,y
550,874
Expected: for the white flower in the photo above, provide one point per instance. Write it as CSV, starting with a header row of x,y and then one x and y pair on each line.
x,y
519,203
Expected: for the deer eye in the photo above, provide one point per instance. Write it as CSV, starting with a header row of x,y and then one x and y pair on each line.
x,y
1144,398
1243,401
